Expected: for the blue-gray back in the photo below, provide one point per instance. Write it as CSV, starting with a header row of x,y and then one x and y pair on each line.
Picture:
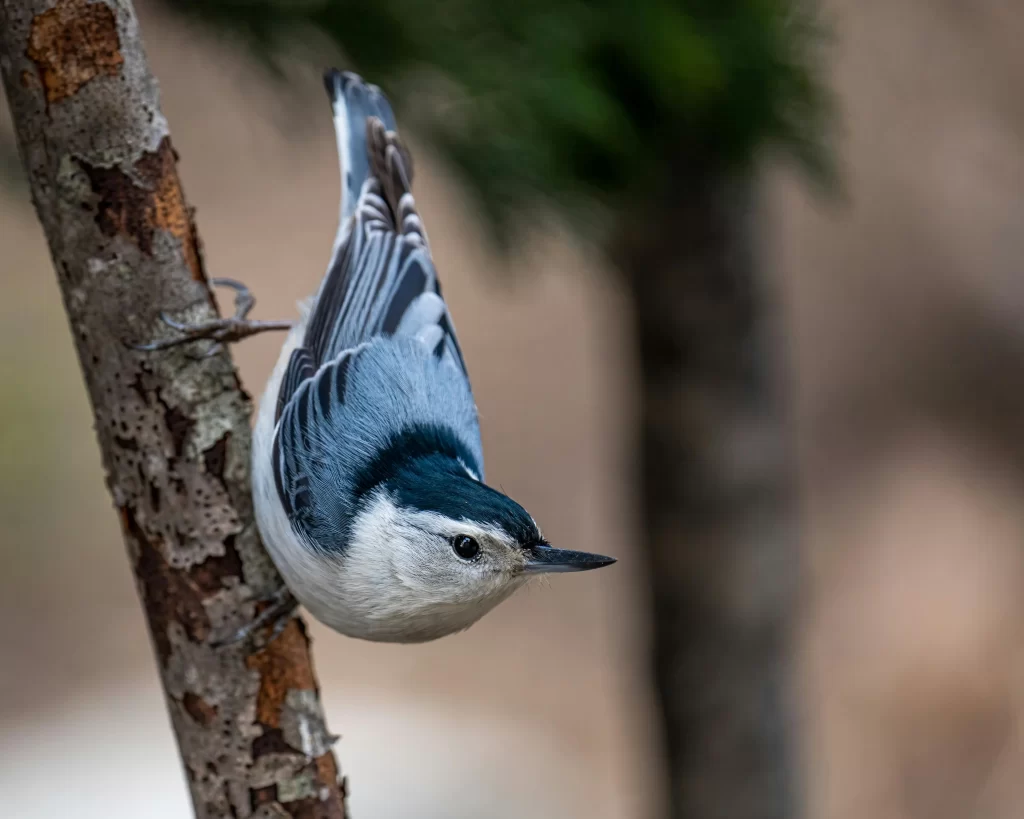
x,y
342,418
379,351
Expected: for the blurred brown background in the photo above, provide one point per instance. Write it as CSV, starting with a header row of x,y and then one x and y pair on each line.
x,y
903,308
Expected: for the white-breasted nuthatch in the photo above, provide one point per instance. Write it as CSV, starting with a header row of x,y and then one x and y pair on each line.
x,y
367,460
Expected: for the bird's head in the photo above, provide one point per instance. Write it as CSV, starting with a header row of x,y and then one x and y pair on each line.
x,y
440,548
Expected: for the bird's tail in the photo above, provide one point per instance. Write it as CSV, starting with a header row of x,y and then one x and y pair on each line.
x,y
367,142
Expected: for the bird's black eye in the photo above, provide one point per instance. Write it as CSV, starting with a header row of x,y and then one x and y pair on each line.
x,y
465,547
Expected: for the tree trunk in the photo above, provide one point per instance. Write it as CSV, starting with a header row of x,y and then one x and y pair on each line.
x,y
716,492
173,429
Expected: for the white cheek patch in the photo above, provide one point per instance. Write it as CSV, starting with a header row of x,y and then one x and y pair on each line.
x,y
399,579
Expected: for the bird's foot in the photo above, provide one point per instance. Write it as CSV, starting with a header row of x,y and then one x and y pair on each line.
x,y
282,605
220,331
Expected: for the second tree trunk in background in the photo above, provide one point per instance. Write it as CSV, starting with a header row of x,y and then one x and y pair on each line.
x,y
717,504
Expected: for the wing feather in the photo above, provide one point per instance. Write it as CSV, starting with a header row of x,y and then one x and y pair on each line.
x,y
381,281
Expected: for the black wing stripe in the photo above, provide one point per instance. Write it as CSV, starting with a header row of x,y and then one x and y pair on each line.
x,y
330,383
301,417
324,389
330,301
354,258
449,331
278,468
332,295
412,284
300,367
341,376
284,461
295,484
406,250
383,261
294,445
361,257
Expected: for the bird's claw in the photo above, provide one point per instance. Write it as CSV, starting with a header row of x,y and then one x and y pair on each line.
x,y
244,299
221,331
178,325
279,612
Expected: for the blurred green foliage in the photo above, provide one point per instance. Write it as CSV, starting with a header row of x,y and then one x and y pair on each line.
x,y
570,103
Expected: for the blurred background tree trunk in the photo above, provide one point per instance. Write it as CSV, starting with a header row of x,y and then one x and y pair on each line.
x,y
716,498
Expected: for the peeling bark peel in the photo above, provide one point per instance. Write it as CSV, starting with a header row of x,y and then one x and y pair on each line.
x,y
174,431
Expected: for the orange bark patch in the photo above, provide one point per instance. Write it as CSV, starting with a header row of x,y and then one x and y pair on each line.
x,y
72,43
327,769
199,709
151,199
283,665
168,210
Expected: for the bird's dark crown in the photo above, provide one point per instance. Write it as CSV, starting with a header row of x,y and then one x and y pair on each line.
x,y
424,468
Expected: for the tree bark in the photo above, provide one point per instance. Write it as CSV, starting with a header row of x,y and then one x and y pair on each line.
x,y
717,502
173,429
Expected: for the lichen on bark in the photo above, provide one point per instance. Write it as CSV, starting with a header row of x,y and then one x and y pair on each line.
x,y
173,428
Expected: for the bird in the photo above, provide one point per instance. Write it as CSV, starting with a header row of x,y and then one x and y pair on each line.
x,y
367,462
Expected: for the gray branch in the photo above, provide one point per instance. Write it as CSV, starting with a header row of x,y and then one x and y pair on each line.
x,y
173,426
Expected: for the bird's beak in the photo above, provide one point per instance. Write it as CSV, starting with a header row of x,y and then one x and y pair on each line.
x,y
543,559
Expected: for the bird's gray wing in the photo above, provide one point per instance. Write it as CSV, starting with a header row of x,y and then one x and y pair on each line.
x,y
381,282
376,285
314,406
381,279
